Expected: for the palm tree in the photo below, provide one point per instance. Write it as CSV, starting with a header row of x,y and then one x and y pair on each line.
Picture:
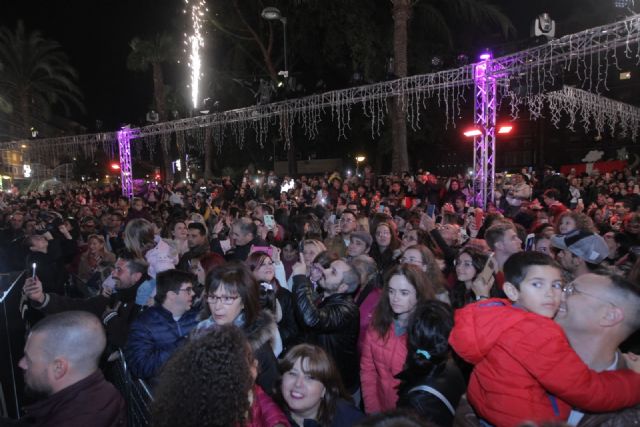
x,y
35,77
437,15
154,53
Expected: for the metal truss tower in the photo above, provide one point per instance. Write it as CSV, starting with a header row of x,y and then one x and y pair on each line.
x,y
485,143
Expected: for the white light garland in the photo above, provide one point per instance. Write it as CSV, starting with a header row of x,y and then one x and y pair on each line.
x,y
524,78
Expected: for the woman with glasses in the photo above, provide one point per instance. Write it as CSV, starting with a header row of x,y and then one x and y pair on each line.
x,y
232,297
311,390
385,345
269,273
423,258
469,287
385,242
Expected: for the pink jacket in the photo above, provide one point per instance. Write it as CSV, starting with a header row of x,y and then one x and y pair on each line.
x,y
366,313
382,359
264,411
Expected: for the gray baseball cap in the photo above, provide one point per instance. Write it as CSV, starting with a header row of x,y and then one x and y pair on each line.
x,y
590,247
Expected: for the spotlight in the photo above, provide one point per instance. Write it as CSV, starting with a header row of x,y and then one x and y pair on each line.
x,y
543,25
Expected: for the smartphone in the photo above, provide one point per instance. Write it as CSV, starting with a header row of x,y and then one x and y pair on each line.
x,y
529,241
431,210
381,208
266,249
269,222
332,219
580,202
489,269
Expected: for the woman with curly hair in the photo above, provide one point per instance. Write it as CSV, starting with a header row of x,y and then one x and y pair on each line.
x,y
431,384
210,382
232,296
385,344
311,390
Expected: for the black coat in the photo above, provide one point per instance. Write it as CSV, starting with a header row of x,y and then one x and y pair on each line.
x,y
287,326
333,324
446,379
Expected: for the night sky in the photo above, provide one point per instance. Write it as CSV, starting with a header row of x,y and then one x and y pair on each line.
x,y
95,34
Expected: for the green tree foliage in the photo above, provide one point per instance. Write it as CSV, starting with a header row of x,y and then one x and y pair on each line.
x,y
35,78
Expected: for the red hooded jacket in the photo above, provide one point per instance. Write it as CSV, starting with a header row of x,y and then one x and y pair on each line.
x,y
522,360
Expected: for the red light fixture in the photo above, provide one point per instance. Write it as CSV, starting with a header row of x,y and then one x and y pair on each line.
x,y
472,132
115,166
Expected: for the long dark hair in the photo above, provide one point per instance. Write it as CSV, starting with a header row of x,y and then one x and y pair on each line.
x,y
267,290
383,315
321,367
460,295
428,334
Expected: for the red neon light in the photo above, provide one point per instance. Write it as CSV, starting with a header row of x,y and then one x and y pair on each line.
x,y
472,132
115,166
505,129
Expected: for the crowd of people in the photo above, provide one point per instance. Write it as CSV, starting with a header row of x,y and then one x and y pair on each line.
x,y
356,300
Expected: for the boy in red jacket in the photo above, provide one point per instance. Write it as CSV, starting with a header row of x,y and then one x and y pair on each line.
x,y
524,367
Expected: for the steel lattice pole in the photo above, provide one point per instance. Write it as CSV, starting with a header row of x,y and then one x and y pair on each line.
x,y
126,177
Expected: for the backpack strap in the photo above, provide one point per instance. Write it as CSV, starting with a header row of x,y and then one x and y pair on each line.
x,y
436,393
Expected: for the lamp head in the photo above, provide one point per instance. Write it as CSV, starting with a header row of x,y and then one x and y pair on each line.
x,y
271,14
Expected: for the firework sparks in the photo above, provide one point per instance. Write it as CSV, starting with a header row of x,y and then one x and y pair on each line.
x,y
194,42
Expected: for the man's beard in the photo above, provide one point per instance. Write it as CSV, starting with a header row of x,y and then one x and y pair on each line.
x,y
36,394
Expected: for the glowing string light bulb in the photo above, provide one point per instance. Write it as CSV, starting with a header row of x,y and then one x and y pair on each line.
x,y
195,41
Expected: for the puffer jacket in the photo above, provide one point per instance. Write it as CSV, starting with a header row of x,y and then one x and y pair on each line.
x,y
523,360
382,359
154,336
333,325
264,411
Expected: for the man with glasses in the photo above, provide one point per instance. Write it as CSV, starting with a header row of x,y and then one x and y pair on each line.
x,y
340,233
598,313
161,329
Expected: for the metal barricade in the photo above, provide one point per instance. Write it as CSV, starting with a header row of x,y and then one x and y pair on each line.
x,y
135,392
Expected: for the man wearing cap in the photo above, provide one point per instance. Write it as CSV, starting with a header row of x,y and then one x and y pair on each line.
x,y
580,253
340,233
359,244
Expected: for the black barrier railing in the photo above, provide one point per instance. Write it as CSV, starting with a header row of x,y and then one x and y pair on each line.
x,y
136,393
11,342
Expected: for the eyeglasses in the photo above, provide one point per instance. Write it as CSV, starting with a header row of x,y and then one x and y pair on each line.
x,y
225,299
347,220
571,289
188,290
411,260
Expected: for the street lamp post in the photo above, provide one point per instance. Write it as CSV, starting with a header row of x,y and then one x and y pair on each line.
x,y
359,159
273,14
